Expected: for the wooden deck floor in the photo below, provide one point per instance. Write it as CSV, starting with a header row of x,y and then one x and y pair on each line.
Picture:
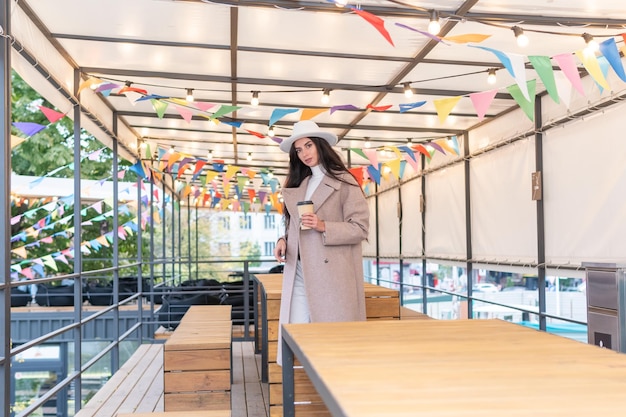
x,y
250,397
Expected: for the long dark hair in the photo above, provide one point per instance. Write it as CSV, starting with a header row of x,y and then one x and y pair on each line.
x,y
328,159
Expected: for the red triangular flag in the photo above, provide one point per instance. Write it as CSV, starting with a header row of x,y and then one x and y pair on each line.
x,y
379,108
51,115
375,21
257,134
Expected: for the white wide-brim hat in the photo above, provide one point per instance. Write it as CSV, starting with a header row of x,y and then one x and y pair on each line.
x,y
307,129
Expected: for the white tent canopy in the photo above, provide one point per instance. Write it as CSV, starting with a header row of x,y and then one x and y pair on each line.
x,y
289,52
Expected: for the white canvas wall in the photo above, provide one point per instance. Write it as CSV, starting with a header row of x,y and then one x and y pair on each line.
x,y
411,219
585,190
504,220
445,213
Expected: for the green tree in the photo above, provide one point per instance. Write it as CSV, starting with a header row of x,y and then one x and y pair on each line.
x,y
250,250
39,155
53,147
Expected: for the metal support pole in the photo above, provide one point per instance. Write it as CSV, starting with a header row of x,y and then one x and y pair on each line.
x,y
468,225
115,352
180,238
5,206
197,244
151,223
173,236
140,288
163,221
189,236
422,205
541,248
78,235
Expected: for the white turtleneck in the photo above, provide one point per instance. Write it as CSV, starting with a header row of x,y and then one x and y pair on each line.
x,y
316,179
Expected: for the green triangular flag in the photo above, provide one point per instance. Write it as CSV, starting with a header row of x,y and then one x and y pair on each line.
x,y
527,106
159,107
359,152
224,110
544,68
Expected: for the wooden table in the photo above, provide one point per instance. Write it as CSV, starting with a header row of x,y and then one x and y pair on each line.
x,y
380,304
436,368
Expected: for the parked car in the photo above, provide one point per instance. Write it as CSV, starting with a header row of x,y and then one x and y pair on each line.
x,y
485,287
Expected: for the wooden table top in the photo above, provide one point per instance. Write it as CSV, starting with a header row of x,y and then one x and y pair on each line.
x,y
460,368
273,284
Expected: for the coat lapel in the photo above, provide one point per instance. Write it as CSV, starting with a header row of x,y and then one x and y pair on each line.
x,y
326,188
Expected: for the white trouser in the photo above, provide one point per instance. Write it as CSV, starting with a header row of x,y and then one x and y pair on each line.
x,y
299,304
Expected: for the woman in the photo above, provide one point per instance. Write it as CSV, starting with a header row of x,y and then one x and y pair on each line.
x,y
323,274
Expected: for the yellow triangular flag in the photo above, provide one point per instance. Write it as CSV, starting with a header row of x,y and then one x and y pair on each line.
x,y
88,83
467,38
395,167
444,106
103,241
231,170
179,101
590,61
210,176
444,144
21,252
186,191
308,114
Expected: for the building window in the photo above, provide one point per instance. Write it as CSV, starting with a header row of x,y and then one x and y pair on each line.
x,y
223,248
270,221
225,223
245,222
269,248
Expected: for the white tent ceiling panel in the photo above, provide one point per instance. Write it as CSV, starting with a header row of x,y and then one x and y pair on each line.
x,y
157,58
586,216
342,31
37,45
159,20
502,207
613,9
445,213
315,69
411,219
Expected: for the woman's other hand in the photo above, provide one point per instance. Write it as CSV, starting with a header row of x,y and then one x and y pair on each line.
x,y
280,250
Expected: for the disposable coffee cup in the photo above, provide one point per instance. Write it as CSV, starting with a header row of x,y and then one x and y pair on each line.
x,y
304,207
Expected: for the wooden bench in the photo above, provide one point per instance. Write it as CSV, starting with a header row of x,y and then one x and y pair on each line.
x,y
408,314
381,303
136,387
197,361
203,413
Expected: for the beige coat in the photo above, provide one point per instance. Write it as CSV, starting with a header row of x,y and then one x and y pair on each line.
x,y
332,262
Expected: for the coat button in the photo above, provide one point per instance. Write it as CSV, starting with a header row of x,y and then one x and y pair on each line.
x,y
325,261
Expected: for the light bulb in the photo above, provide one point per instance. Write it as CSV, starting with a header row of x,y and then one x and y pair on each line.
x,y
341,3
171,150
249,158
255,99
592,45
326,96
367,143
522,39
433,26
491,78
190,95
270,131
408,91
